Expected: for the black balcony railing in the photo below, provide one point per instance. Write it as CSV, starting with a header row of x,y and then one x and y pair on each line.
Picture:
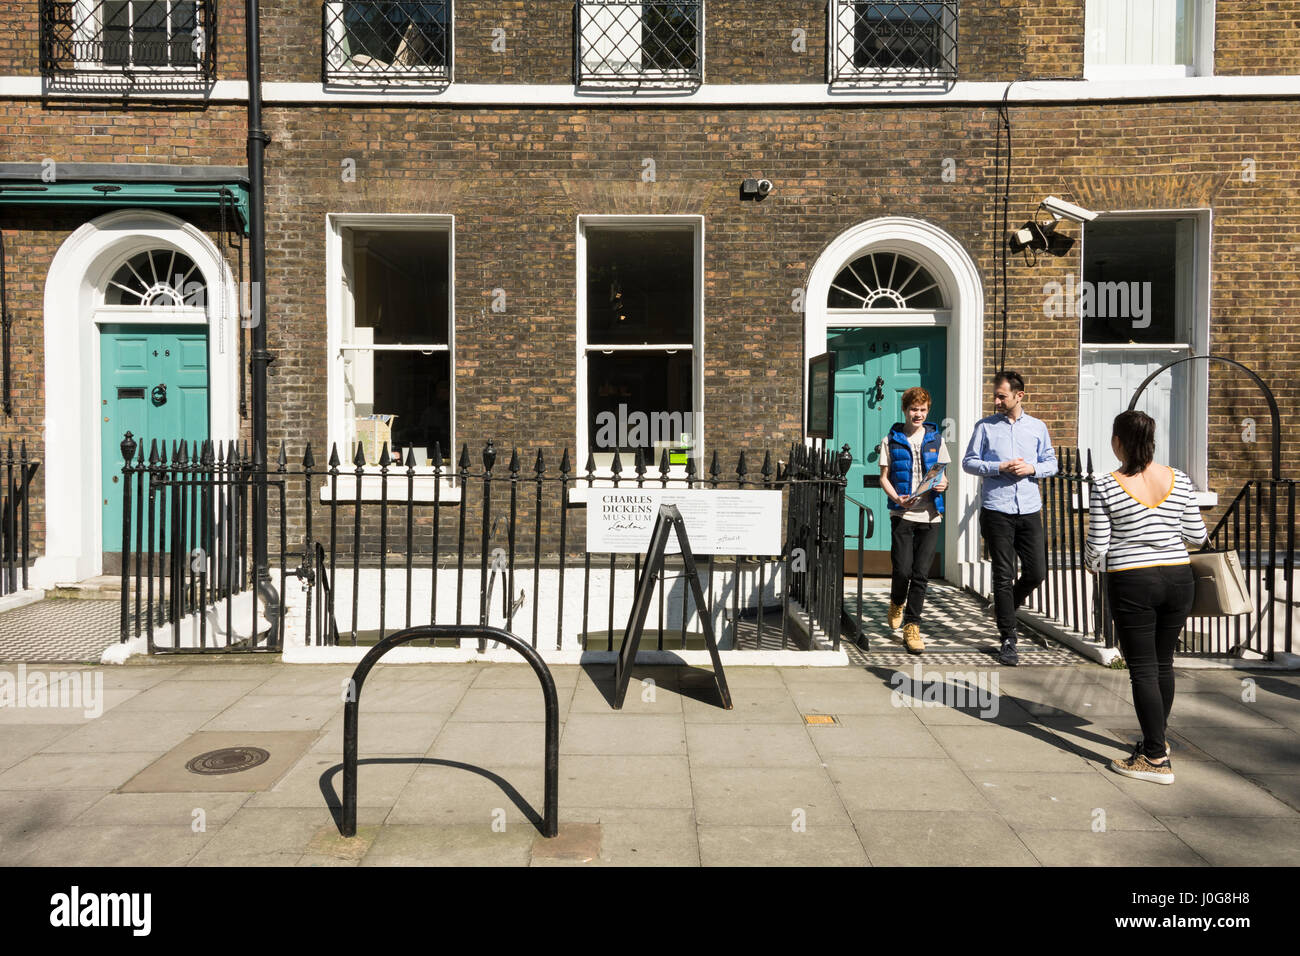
x,y
128,46
380,41
890,42
639,43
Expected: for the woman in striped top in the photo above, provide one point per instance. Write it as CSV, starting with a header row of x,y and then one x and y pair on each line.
x,y
1138,520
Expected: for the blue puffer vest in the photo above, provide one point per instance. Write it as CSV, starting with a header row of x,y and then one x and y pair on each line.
x,y
900,461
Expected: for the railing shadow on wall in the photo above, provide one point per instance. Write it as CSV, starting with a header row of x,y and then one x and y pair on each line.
x,y
371,550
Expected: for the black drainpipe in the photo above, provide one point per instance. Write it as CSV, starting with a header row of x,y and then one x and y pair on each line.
x,y
260,358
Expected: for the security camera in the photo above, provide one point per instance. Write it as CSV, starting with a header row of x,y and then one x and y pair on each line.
x,y
764,187
1067,210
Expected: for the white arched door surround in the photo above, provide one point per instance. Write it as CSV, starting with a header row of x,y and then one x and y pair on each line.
x,y
74,308
949,263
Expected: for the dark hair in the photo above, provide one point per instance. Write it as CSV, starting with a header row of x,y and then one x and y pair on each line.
x,y
1014,380
1136,432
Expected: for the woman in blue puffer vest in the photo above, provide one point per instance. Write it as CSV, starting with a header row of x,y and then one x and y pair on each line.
x,y
912,447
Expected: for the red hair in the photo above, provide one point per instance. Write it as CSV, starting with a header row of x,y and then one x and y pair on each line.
x,y
916,396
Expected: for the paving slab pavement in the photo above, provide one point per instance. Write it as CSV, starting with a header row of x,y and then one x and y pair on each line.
x,y
451,769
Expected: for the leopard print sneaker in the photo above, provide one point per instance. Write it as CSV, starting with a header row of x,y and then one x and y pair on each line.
x,y
1140,768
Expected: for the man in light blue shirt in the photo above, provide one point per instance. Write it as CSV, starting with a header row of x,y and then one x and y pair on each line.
x,y
1009,451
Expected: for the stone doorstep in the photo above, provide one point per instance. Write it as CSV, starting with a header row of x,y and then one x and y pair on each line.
x,y
104,587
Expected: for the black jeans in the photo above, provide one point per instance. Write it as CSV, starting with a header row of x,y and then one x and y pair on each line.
x,y
1149,607
1009,537
911,551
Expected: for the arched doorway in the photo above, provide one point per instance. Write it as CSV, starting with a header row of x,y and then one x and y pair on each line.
x,y
120,288
902,302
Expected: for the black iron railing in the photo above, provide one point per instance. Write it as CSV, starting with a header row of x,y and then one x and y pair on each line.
x,y
1069,593
638,43
874,42
128,46
18,472
379,41
389,548
815,533
188,524
1260,525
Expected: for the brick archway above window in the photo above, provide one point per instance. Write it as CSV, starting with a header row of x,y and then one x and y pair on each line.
x,y
1146,191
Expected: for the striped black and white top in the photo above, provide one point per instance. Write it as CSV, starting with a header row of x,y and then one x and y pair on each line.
x,y
1130,534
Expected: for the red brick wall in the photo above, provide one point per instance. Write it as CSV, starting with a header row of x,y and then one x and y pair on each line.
x,y
746,42
28,133
516,207
1259,38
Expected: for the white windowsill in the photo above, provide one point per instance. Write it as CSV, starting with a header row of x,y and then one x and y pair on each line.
x,y
768,95
1138,71
372,487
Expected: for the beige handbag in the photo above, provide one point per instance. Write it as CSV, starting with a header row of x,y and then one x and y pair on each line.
x,y
1220,585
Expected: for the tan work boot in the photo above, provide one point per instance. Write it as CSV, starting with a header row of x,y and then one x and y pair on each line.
x,y
912,638
895,616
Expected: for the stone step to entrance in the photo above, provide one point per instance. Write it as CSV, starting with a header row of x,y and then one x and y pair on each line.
x,y
104,587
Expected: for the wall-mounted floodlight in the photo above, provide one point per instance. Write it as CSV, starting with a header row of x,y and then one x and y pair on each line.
x,y
1038,236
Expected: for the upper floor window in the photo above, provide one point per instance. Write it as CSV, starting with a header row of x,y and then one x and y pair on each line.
x,y
368,41
128,46
1157,38
640,42
873,41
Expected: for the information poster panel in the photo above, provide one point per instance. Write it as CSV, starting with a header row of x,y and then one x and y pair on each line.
x,y
718,521
821,396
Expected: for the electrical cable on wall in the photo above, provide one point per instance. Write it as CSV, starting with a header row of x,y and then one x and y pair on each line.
x,y
1004,123
6,402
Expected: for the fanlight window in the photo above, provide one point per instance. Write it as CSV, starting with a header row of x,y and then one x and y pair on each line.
x,y
884,280
157,278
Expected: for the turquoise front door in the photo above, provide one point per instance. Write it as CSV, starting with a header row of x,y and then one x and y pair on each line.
x,y
873,368
154,384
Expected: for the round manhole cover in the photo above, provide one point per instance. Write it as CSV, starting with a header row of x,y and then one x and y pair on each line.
x,y
228,760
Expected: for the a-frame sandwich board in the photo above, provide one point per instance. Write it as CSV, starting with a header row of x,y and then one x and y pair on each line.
x,y
669,518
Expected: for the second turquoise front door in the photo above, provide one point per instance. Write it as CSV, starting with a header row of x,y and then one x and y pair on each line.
x,y
154,384
873,368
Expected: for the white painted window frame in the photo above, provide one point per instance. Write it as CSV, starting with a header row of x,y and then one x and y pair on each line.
x,y
1198,372
1202,54
440,74
338,309
668,223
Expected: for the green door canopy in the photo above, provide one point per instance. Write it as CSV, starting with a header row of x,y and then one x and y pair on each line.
x,y
115,195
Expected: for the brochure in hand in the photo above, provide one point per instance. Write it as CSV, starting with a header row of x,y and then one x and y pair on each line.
x,y
932,478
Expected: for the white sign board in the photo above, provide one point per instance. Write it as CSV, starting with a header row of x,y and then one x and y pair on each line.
x,y
718,521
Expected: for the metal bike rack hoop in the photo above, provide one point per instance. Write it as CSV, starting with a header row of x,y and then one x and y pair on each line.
x,y
351,712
